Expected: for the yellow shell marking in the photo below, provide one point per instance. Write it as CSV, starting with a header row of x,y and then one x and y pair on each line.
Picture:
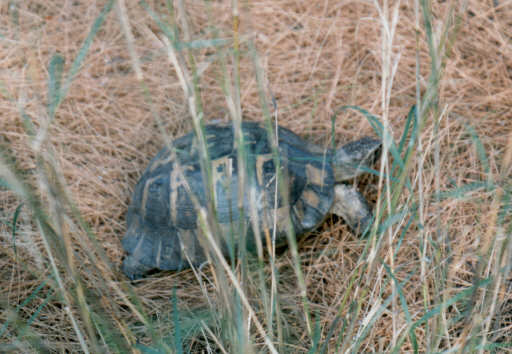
x,y
260,160
310,197
176,180
145,194
222,170
280,215
315,175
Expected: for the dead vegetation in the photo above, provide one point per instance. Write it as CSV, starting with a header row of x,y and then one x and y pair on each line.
x,y
440,272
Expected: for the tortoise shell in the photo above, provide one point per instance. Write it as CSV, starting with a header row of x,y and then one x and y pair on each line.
x,y
162,220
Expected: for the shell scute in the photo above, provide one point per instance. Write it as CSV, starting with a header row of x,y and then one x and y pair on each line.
x,y
162,220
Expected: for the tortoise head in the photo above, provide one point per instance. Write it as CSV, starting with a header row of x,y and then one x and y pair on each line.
x,y
352,159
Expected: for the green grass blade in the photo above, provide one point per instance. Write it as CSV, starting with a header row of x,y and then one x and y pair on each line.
x,y
412,217
79,59
410,119
203,43
38,310
25,302
427,18
506,208
403,303
317,332
369,325
462,191
178,341
391,220
329,335
482,155
54,83
147,349
14,225
169,33
466,293
27,120
4,184
379,129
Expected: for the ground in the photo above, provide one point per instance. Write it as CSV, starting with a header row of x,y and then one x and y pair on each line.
x,y
437,275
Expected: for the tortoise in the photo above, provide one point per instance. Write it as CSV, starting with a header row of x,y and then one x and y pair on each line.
x,y
162,219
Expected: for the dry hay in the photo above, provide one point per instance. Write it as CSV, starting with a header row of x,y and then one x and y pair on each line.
x,y
317,56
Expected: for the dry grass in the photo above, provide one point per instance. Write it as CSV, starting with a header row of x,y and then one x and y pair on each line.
x,y
316,57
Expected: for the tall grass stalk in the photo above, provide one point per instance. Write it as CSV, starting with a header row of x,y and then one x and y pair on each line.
x,y
188,85
61,220
390,62
281,185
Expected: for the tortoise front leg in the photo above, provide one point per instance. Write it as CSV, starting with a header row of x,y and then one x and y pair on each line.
x,y
352,207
